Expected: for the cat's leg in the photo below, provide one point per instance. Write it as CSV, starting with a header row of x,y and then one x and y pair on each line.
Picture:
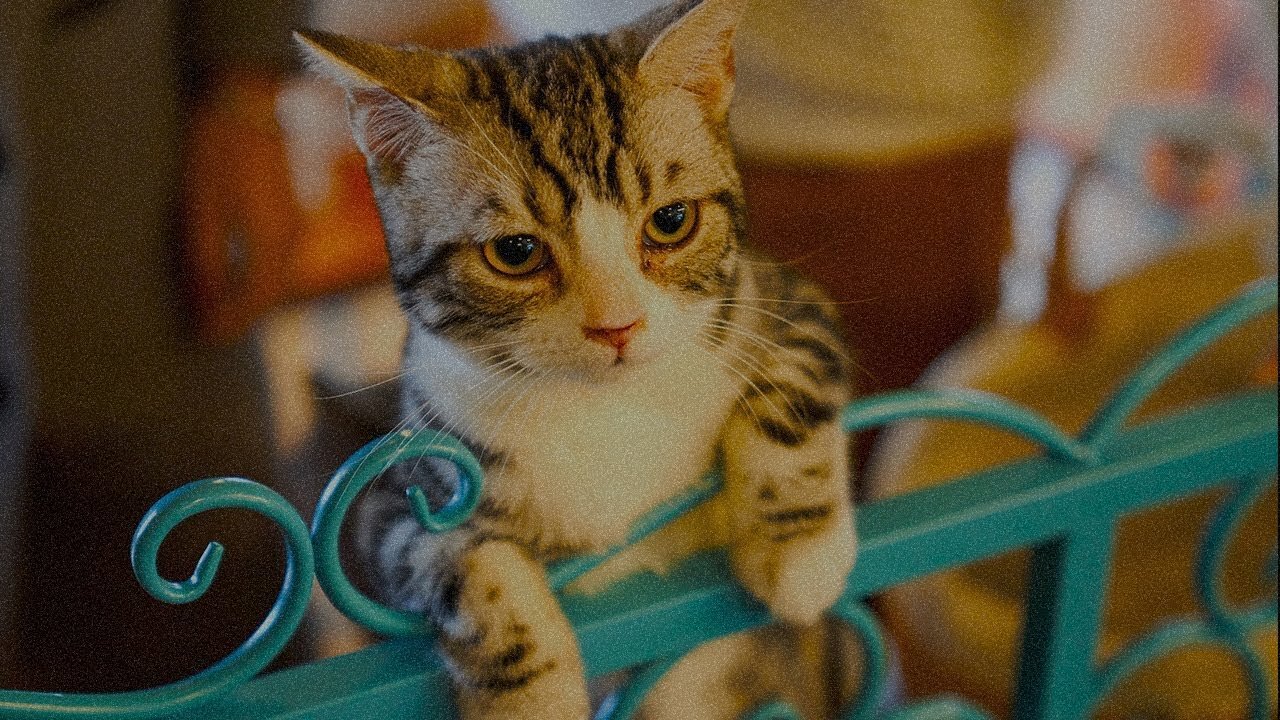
x,y
810,668
509,648
715,681
508,645
787,482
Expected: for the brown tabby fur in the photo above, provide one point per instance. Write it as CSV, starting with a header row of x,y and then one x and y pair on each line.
x,y
577,142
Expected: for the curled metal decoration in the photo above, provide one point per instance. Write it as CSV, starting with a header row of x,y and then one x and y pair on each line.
x,y
247,660
1222,626
317,556
871,695
866,705
1257,299
975,406
1213,554
972,405
357,472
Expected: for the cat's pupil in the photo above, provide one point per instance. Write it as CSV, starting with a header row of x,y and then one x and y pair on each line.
x,y
515,250
670,219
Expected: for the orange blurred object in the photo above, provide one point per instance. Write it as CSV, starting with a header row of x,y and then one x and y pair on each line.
x,y
250,245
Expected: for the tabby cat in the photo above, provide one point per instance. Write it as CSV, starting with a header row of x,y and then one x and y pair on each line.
x,y
565,226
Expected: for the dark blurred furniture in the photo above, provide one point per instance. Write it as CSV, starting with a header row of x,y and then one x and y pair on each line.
x,y
13,396
125,405
911,249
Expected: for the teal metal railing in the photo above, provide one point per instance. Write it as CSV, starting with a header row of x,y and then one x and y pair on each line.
x,y
1063,505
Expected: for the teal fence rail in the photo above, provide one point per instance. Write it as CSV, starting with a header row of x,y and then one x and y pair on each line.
x,y
1063,505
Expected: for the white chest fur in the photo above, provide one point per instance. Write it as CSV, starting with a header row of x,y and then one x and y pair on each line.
x,y
588,460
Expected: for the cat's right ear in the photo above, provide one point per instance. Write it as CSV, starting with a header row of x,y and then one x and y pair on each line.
x,y
385,86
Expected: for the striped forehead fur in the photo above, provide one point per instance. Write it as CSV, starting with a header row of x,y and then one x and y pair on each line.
x,y
565,103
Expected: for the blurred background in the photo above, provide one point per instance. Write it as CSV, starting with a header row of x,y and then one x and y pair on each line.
x,y
1020,196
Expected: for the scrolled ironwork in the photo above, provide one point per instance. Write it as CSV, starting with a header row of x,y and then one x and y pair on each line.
x,y
248,659
1222,626
316,555
866,704
1256,300
1213,554
970,405
357,472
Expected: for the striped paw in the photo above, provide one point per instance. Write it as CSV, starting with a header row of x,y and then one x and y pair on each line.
x,y
793,540
511,651
799,559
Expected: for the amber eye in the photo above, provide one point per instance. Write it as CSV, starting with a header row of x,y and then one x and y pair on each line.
x,y
515,254
671,224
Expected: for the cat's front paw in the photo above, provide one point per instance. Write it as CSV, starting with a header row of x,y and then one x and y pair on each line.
x,y
787,484
798,559
511,651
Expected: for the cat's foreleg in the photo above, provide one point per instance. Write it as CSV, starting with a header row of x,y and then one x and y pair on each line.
x,y
510,650
787,482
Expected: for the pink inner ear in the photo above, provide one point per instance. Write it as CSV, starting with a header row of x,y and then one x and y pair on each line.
x,y
713,78
387,127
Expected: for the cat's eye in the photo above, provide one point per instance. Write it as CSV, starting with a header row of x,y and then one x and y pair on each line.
x,y
671,224
515,254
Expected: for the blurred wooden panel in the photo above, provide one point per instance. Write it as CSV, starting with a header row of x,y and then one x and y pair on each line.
x,y
913,247
125,405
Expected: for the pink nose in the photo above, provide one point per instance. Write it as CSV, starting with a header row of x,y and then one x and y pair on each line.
x,y
615,337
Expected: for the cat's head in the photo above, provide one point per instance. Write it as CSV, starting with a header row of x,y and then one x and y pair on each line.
x,y
569,203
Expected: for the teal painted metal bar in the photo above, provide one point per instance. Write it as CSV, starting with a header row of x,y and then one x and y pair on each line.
x,y
970,405
1062,624
1064,505
902,538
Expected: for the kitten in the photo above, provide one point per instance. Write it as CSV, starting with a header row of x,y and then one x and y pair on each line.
x,y
565,225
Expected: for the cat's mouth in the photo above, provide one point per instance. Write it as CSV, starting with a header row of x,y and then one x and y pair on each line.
x,y
618,368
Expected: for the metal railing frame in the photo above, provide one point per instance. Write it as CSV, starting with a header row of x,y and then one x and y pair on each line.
x,y
1064,505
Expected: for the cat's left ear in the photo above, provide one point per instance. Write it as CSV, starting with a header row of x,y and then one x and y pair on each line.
x,y
694,52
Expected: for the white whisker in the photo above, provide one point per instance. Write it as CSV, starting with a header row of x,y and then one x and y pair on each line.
x,y
822,303
803,330
729,366
761,373
370,386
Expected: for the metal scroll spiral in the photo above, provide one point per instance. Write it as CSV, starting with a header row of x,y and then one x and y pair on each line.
x,y
249,659
1222,625
358,471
